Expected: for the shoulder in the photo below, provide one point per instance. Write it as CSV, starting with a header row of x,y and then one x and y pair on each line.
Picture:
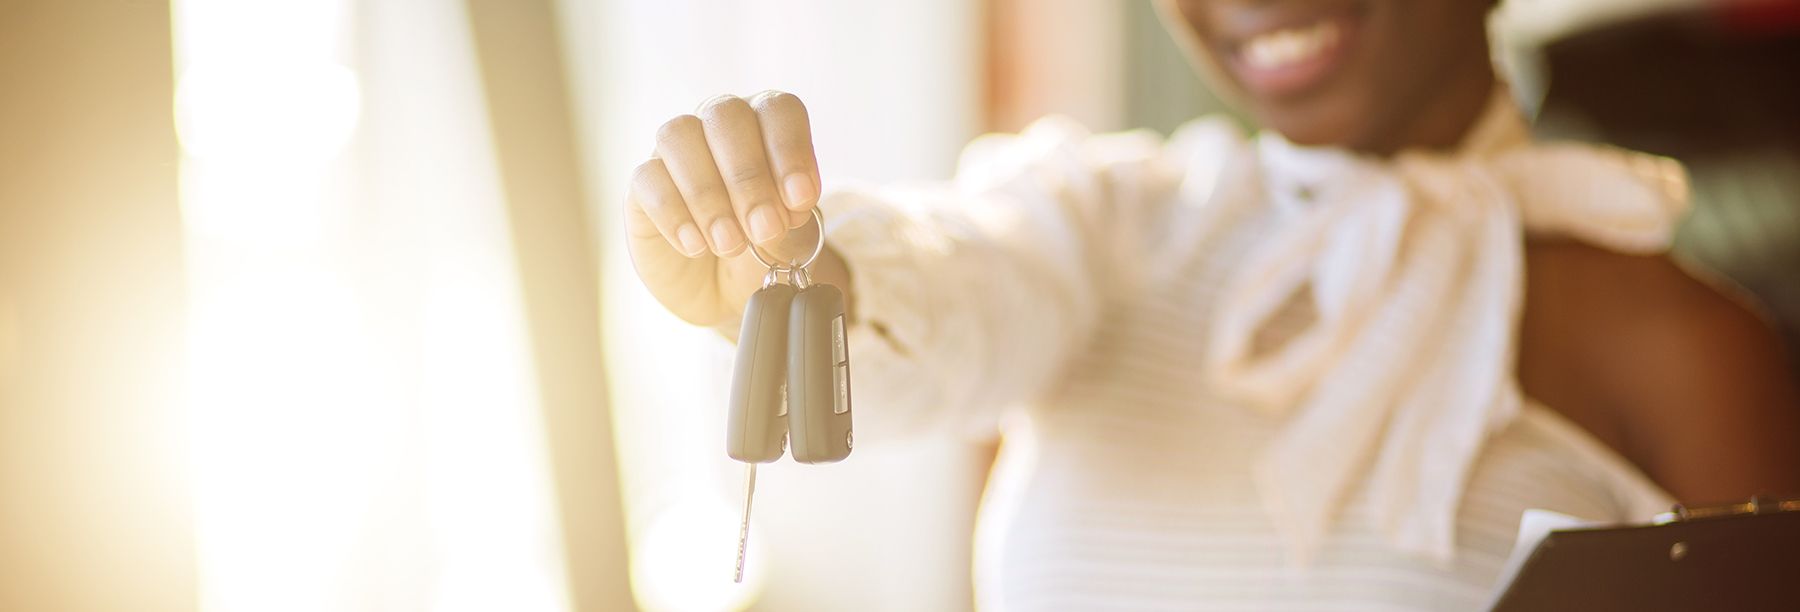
x,y
1694,381
1647,309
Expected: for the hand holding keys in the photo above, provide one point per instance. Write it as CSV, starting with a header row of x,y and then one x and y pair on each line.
x,y
791,382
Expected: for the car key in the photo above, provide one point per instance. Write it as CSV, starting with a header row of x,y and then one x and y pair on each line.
x,y
756,428
818,374
789,327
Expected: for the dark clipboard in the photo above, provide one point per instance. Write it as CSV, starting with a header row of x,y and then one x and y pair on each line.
x,y
1737,557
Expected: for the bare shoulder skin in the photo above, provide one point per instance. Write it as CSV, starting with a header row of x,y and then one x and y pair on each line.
x,y
1681,379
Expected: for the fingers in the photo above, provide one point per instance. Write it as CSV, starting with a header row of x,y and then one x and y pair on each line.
x,y
735,172
787,143
736,139
654,193
681,145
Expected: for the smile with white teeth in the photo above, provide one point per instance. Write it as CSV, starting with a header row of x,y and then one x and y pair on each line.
x,y
1289,46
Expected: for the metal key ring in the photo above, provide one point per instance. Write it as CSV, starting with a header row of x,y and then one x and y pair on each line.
x,y
818,218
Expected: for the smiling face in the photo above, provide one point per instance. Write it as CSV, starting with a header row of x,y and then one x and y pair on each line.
x,y
1371,75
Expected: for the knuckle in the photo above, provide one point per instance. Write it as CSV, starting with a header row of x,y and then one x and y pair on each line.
x,y
677,131
723,108
658,207
746,175
647,176
776,101
708,200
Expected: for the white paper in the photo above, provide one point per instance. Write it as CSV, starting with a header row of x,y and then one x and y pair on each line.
x,y
1534,526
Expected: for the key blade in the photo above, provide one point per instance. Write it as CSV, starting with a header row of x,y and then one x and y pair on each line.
x,y
744,528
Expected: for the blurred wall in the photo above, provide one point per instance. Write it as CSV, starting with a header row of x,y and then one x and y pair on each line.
x,y
1108,65
1062,57
94,508
1161,90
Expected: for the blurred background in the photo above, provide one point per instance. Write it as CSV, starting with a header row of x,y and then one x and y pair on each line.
x,y
322,305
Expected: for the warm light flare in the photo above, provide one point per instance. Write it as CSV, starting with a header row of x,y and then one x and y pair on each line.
x,y
269,112
364,427
685,560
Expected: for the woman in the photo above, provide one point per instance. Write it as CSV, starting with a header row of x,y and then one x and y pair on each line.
x,y
1325,366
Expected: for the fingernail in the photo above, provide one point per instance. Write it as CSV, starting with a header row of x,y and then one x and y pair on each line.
x,y
725,237
764,224
692,244
800,191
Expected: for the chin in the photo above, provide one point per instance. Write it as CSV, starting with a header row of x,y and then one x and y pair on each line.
x,y
1331,121
1311,134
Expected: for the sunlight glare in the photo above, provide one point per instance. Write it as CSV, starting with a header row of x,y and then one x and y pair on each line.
x,y
685,560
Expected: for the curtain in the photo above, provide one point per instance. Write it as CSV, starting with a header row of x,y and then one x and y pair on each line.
x,y
366,426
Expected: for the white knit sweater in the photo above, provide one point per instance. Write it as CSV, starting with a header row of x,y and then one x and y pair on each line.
x,y
1078,293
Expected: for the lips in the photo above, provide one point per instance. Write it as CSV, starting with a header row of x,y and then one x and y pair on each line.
x,y
1292,55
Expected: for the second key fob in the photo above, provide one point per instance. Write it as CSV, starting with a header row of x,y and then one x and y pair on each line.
x,y
818,375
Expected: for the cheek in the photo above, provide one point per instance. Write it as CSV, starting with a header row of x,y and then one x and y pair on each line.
x,y
1190,12
1188,21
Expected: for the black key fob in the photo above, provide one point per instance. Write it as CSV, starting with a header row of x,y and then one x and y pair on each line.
x,y
818,375
757,424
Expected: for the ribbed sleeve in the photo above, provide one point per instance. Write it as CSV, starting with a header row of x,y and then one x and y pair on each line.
x,y
971,296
